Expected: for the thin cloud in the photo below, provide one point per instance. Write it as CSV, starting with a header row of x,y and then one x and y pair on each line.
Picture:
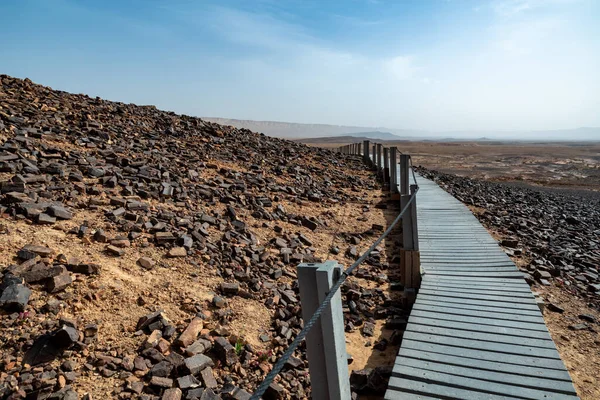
x,y
509,8
400,67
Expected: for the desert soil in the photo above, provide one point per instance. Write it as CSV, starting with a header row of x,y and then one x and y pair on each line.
x,y
556,164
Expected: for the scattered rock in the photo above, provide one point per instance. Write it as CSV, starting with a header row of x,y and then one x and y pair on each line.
x,y
554,308
177,252
146,262
15,297
190,333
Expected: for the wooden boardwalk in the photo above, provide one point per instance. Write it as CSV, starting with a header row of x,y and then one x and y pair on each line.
x,y
475,331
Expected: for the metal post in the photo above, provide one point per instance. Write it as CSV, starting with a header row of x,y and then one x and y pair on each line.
x,y
410,264
366,147
379,164
386,166
404,173
393,170
374,155
410,237
326,342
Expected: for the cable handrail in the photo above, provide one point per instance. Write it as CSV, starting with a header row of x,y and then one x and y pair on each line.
x,y
260,390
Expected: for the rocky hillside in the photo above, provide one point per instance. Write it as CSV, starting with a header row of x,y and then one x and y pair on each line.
x,y
151,255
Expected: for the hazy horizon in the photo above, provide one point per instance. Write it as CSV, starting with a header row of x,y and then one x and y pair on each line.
x,y
438,66
295,130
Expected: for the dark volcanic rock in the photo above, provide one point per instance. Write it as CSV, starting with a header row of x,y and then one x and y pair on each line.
x,y
47,347
15,297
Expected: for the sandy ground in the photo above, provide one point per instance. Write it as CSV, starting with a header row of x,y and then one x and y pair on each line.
x,y
557,164
580,350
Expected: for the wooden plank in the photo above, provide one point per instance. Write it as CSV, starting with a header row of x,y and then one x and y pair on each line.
x,y
524,293
455,248
559,376
518,380
478,307
486,355
514,275
431,268
475,280
438,262
450,313
506,335
531,326
397,395
470,257
519,288
450,238
475,385
477,296
441,299
466,256
500,348
450,268
435,390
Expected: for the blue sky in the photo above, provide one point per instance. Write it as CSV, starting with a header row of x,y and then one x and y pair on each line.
x,y
434,65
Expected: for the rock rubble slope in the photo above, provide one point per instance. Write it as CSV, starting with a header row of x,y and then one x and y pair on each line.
x,y
151,255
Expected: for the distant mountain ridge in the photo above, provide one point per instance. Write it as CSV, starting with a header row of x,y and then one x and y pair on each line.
x,y
290,130
377,135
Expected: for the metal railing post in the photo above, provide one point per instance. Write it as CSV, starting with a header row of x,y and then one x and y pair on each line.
x,y
386,166
394,170
374,154
404,173
326,342
379,166
367,148
409,255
